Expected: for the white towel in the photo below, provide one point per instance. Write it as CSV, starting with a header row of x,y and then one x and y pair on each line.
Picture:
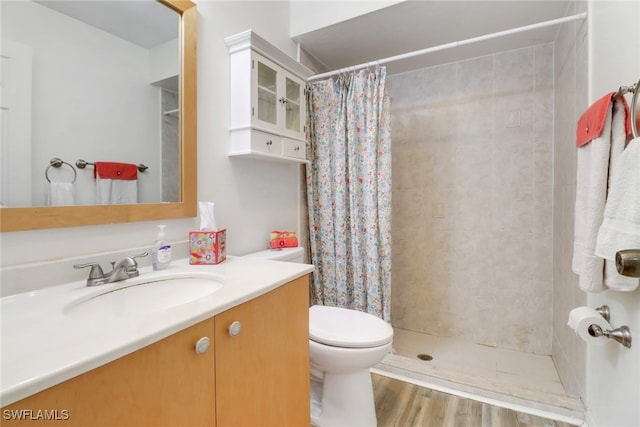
x,y
594,160
61,194
620,228
116,191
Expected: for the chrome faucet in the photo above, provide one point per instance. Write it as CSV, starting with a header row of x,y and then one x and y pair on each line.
x,y
125,269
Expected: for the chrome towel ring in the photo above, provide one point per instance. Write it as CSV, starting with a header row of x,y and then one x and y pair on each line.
x,y
56,163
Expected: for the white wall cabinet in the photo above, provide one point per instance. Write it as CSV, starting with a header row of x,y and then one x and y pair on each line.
x,y
268,107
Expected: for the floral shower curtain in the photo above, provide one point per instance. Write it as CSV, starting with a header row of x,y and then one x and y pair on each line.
x,y
349,192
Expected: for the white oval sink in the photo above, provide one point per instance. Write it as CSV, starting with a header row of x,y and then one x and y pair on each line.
x,y
143,296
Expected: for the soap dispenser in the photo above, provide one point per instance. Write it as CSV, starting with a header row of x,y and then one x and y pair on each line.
x,y
161,252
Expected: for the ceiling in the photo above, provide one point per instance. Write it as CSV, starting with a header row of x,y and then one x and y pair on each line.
x,y
414,25
146,23
404,27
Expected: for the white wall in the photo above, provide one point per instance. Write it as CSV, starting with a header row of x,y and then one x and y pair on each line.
x,y
251,197
164,61
613,372
83,106
312,15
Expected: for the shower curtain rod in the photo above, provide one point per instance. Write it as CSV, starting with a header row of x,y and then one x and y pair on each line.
x,y
445,46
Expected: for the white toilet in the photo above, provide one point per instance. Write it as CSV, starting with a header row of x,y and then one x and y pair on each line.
x,y
343,345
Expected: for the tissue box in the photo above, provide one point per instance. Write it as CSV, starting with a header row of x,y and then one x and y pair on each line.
x,y
207,247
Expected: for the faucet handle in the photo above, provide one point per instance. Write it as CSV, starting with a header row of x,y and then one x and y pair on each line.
x,y
130,261
96,271
130,264
142,255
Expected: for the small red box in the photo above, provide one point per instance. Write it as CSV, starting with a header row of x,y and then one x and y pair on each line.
x,y
207,247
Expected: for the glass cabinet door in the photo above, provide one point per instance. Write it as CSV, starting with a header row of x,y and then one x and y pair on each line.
x,y
267,103
292,104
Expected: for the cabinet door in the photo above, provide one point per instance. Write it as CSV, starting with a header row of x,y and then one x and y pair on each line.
x,y
265,88
262,373
164,384
293,105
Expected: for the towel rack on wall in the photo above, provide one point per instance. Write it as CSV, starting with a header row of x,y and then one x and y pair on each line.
x,y
634,105
56,163
635,89
83,164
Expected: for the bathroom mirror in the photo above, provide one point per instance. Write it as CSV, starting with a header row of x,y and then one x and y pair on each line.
x,y
42,217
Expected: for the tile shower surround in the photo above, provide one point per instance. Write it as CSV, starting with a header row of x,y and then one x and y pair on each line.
x,y
473,200
571,59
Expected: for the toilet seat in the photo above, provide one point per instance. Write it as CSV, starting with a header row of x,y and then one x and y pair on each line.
x,y
341,327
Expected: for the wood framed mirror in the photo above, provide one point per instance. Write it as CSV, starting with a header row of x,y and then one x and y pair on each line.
x,y
43,217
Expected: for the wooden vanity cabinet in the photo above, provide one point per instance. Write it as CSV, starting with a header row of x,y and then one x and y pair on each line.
x,y
164,384
263,372
259,377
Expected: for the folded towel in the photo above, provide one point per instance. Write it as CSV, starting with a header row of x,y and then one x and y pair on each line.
x,y
114,170
116,183
592,121
282,239
620,228
594,160
61,194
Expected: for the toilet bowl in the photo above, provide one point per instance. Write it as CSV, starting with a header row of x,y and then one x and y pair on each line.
x,y
343,345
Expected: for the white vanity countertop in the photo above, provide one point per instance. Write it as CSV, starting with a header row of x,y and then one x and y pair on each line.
x,y
42,346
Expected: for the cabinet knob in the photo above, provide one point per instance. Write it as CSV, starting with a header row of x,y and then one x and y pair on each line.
x,y
234,328
297,148
269,142
202,345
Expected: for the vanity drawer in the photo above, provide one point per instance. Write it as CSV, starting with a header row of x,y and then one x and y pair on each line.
x,y
294,148
266,142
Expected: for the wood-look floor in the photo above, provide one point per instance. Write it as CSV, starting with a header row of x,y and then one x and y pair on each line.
x,y
401,404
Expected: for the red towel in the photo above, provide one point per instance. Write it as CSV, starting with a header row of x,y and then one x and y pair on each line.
x,y
113,170
591,122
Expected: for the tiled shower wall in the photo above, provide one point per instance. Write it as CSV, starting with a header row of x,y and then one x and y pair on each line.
x,y
472,199
569,353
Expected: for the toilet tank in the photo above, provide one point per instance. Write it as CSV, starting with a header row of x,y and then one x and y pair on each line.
x,y
283,254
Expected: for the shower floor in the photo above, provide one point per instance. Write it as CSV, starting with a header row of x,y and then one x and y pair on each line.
x,y
517,380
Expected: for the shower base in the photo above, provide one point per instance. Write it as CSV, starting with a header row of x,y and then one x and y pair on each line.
x,y
521,381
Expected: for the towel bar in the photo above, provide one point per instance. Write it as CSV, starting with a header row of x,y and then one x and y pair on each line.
x,y
628,262
634,105
83,164
635,89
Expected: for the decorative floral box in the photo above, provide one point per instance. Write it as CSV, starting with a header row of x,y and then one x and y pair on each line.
x,y
207,247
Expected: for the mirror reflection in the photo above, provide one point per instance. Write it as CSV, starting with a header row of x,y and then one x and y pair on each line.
x,y
94,81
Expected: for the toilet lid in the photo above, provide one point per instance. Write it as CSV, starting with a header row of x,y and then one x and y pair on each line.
x,y
341,327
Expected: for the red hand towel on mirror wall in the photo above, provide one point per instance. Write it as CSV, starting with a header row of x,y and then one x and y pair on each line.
x,y
115,170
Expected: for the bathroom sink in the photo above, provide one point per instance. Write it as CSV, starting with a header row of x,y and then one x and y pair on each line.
x,y
142,296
